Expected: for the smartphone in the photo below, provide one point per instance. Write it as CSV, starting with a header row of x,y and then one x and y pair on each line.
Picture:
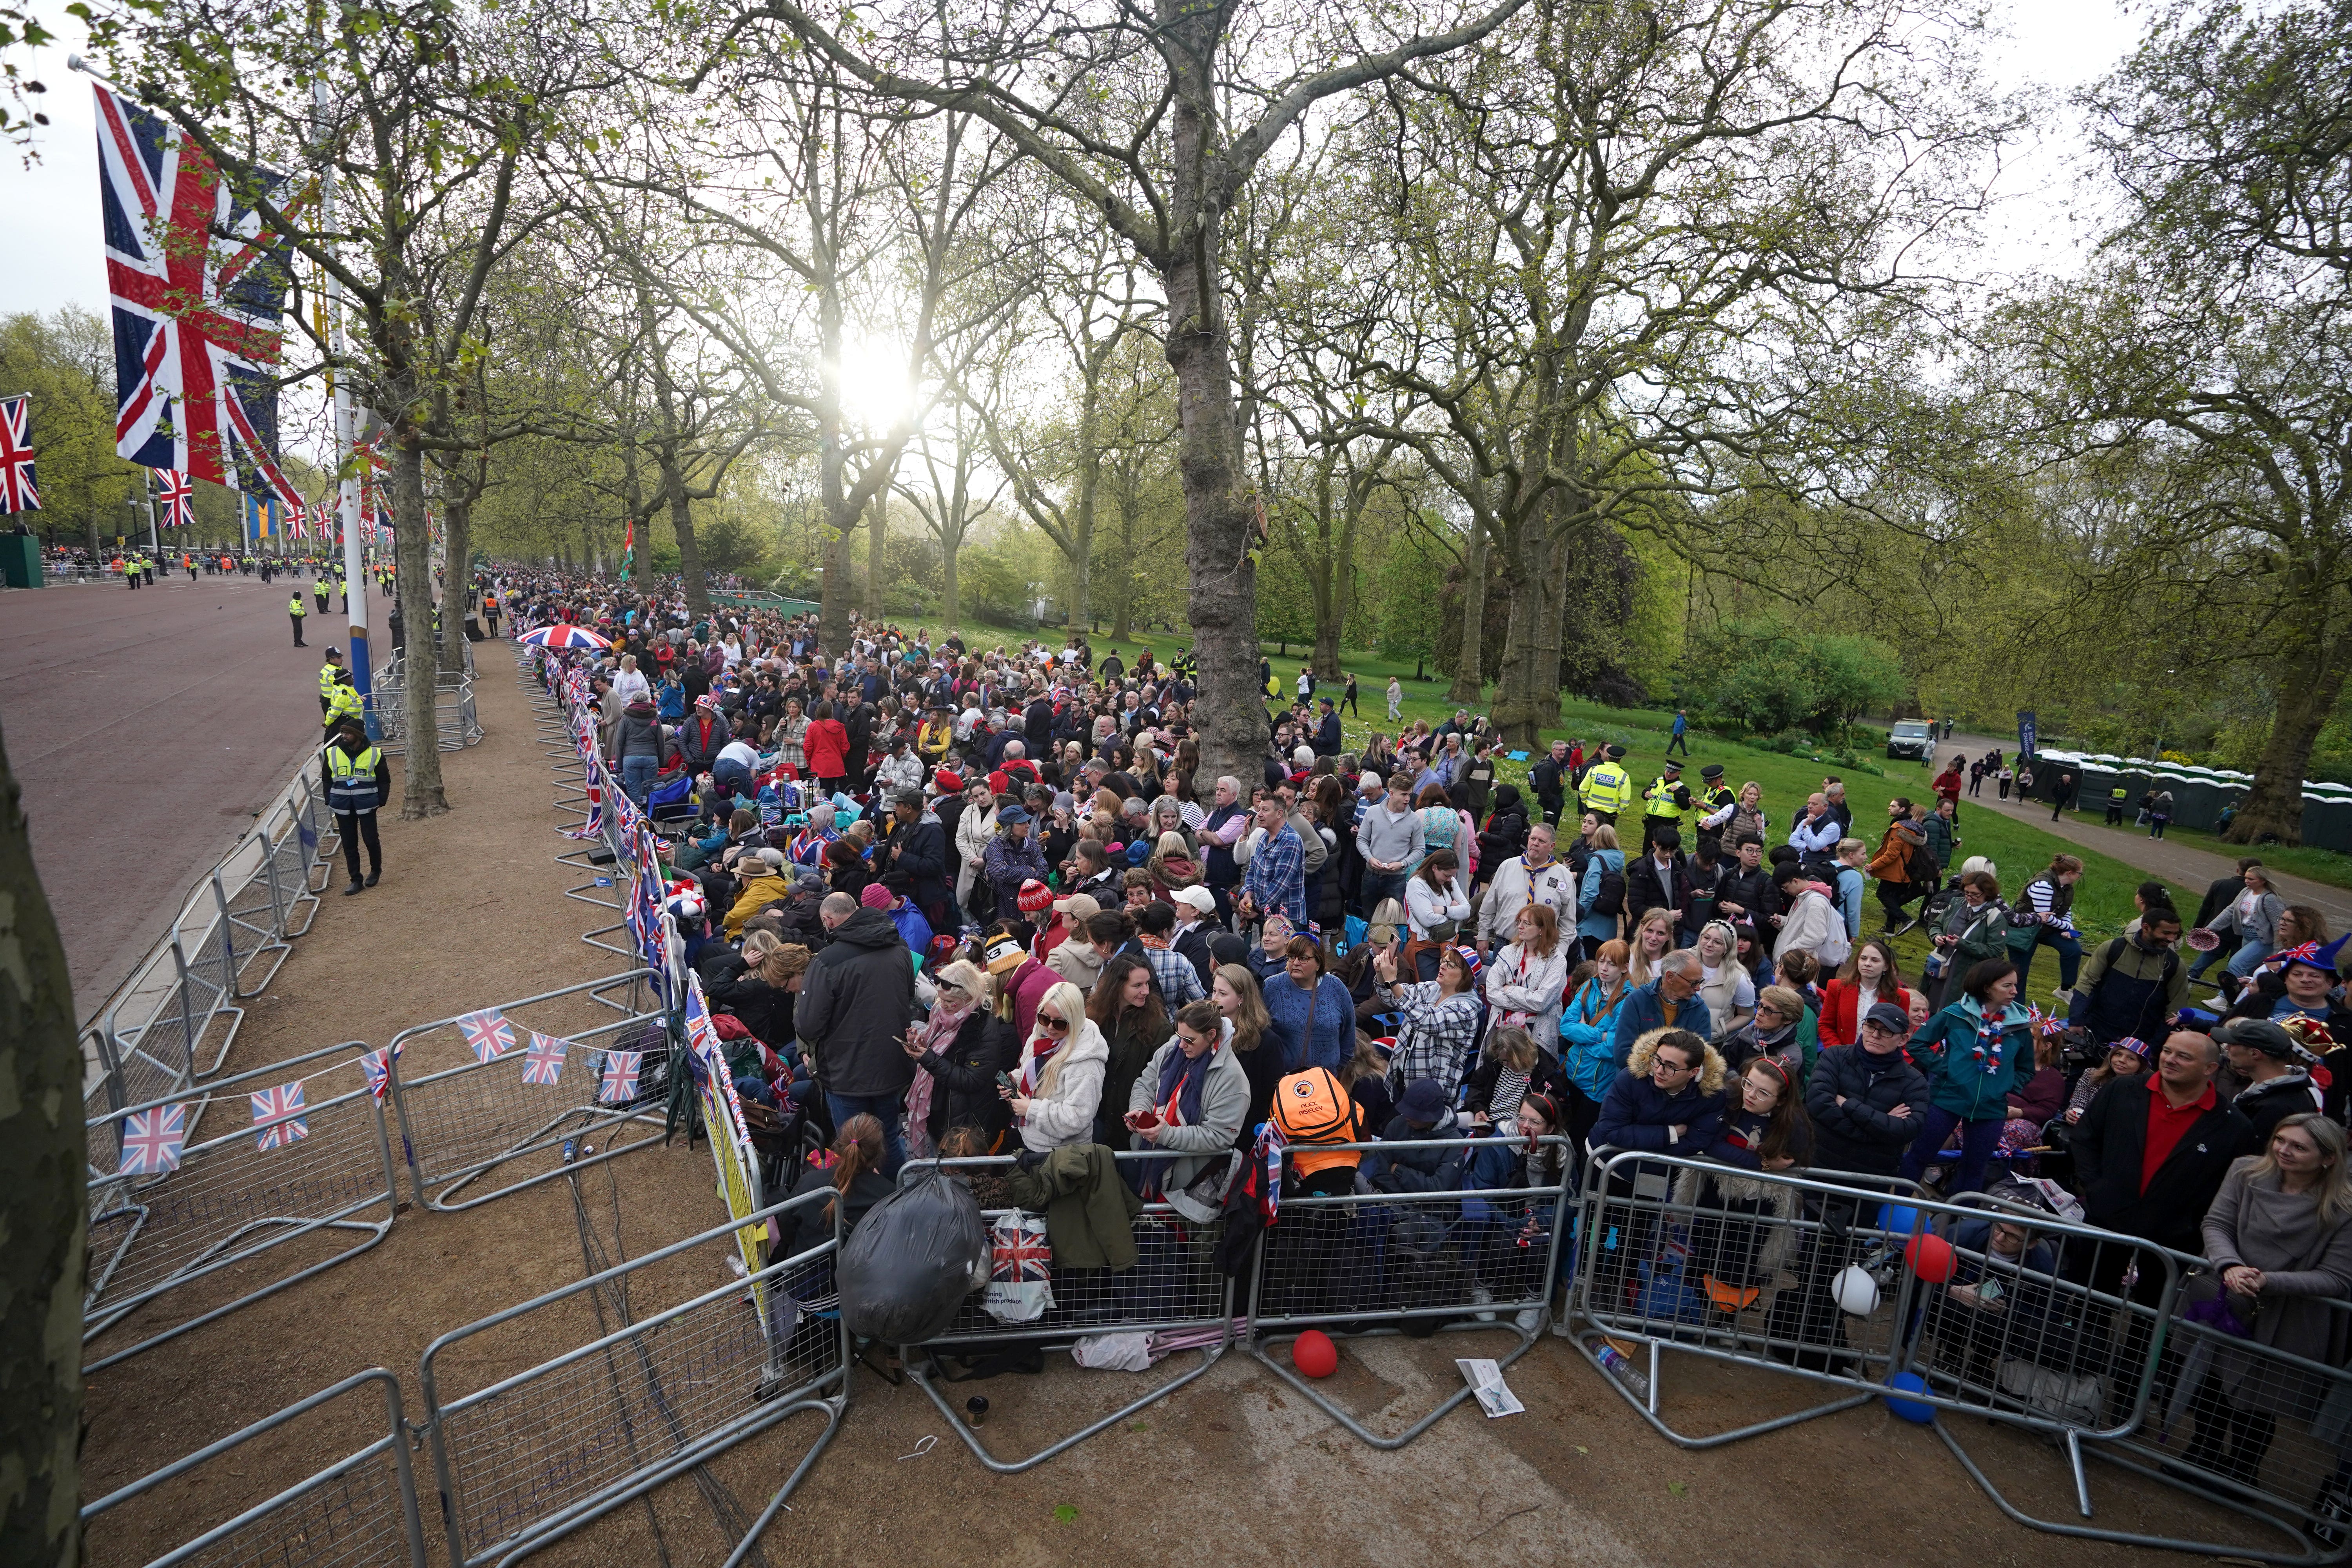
x,y
1005,1081
1988,1290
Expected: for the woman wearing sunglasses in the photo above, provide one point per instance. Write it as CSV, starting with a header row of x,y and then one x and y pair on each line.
x,y
1059,1084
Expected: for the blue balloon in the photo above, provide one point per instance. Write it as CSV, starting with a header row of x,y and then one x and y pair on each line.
x,y
1898,1219
1911,1410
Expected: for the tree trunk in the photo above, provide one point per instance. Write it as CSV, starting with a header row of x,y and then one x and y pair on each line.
x,y
1121,624
878,528
456,575
1218,522
1470,663
2307,683
44,1213
833,605
1527,686
421,793
681,524
950,609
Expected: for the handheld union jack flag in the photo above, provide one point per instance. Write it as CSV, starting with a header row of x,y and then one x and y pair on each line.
x,y
16,491
701,1038
620,1080
175,498
377,1065
544,1062
195,318
277,1113
488,1033
152,1141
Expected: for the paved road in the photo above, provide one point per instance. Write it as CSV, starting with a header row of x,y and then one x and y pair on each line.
x,y
2181,864
146,729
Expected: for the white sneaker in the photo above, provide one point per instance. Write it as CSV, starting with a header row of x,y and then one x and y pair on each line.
x,y
1481,1296
1528,1320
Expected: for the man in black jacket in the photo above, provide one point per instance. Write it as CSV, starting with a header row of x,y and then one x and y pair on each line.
x,y
2149,1154
854,1006
1866,1100
1745,896
1659,878
1549,780
917,846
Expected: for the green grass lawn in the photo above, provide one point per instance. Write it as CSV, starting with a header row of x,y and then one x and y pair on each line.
x,y
2103,900
2324,865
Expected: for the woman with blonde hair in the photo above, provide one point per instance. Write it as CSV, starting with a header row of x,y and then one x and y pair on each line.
x,y
1648,943
1725,984
2276,1236
1058,1085
1260,1044
958,1051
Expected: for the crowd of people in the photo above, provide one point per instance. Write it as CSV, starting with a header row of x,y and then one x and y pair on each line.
x,y
986,899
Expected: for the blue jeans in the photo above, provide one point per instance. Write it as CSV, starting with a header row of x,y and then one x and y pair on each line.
x,y
637,775
887,1109
2246,959
1978,1141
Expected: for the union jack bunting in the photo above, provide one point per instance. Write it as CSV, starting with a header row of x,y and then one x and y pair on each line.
x,y
175,498
195,316
543,1062
278,1113
488,1033
377,1065
16,491
152,1141
620,1080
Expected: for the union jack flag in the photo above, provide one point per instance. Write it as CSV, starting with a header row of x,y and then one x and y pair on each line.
x,y
2307,952
152,1141
620,1080
16,491
377,1065
544,1062
700,1037
278,1113
488,1033
195,316
175,497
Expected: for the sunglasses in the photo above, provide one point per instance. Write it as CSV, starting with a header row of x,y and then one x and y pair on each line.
x,y
1048,1021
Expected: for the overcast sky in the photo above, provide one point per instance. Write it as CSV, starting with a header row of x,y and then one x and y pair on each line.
x,y
51,255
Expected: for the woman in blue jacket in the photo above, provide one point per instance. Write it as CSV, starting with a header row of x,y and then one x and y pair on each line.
x,y
1595,927
1973,1052
1588,1041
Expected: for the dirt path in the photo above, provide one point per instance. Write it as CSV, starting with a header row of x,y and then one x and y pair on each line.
x,y
2184,865
147,729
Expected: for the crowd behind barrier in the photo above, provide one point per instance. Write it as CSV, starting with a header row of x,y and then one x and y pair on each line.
x,y
1861,1288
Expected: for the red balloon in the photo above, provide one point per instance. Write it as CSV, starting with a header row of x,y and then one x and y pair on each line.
x,y
1313,1354
1930,1256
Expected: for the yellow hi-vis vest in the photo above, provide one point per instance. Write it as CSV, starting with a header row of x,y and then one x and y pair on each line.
x,y
1607,787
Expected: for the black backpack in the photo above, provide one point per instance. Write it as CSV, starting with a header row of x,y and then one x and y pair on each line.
x,y
1609,898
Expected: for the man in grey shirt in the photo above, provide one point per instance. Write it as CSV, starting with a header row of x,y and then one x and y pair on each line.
x,y
1389,838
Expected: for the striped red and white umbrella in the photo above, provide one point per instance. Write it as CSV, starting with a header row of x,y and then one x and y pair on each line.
x,y
564,637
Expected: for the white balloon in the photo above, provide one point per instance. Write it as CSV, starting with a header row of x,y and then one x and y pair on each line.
x,y
1855,1290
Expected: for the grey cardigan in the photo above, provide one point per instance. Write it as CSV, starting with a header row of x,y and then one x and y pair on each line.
x,y
2263,930
2252,1222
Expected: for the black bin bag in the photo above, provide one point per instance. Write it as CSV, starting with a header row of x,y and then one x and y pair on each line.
x,y
912,1261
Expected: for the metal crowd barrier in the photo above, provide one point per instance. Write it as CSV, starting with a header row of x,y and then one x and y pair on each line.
x,y
359,1511
152,1036
229,1199
1174,1286
1358,1264
527,1458
457,1124
1746,1270
2232,1421
455,723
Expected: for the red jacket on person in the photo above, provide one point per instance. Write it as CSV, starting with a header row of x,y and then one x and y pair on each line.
x,y
826,745
1840,1000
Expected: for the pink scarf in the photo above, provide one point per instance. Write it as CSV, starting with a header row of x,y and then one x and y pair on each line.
x,y
935,1037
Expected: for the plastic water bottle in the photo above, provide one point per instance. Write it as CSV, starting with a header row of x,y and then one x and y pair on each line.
x,y
1615,1362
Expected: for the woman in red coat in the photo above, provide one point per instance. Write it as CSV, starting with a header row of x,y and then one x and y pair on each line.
x,y
827,743
1869,976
